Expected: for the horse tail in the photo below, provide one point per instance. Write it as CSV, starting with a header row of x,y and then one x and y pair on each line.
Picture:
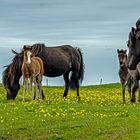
x,y
77,76
81,71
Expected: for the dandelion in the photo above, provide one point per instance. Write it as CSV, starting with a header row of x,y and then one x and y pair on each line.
x,y
43,120
2,121
42,110
72,109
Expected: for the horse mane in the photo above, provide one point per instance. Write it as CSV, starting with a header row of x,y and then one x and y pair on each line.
x,y
138,23
137,33
38,48
11,70
5,76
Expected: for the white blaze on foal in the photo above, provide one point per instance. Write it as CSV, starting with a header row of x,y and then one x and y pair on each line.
x,y
29,57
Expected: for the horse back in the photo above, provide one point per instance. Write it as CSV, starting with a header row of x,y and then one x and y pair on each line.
x,y
64,54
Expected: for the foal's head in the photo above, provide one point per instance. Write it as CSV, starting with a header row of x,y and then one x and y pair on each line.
x,y
27,54
122,56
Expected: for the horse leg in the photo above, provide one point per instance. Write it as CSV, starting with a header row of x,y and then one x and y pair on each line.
x,y
67,83
40,90
34,92
123,90
25,88
129,88
139,91
77,89
134,88
39,84
31,84
42,93
75,82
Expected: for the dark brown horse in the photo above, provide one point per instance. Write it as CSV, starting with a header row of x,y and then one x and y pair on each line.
x,y
134,52
133,61
134,46
59,60
32,71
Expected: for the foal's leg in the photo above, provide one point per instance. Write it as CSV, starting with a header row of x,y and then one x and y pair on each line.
x,y
129,87
123,90
67,83
31,84
39,80
25,88
34,92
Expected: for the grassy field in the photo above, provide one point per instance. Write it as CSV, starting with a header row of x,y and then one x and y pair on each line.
x,y
100,115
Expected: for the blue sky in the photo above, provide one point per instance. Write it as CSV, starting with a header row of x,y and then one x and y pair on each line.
x,y
97,27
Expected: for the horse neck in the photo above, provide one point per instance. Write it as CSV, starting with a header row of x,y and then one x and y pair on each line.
x,y
125,61
27,59
137,44
124,66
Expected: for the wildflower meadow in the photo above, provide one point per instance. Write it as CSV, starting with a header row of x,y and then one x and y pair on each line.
x,y
99,115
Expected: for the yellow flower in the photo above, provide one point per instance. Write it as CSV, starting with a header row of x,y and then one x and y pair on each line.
x,y
2,121
42,110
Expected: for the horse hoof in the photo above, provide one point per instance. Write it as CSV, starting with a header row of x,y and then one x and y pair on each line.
x,y
123,101
78,98
43,97
64,98
132,100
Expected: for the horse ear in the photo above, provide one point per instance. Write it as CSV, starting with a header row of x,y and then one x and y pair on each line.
x,y
125,51
118,50
20,54
133,31
30,48
138,23
24,47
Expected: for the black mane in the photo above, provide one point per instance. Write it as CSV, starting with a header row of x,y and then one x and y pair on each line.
x,y
11,68
38,48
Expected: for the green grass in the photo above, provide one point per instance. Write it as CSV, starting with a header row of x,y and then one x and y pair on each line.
x,y
99,115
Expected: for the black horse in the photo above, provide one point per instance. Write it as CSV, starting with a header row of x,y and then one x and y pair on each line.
x,y
59,60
